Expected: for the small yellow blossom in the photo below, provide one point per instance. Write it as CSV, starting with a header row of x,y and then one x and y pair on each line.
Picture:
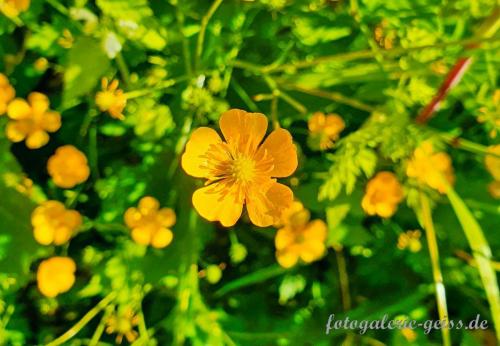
x,y
66,40
53,223
41,64
122,323
382,196
324,130
30,121
12,8
431,168
68,167
241,170
299,238
7,93
410,240
55,275
409,334
111,99
492,162
150,225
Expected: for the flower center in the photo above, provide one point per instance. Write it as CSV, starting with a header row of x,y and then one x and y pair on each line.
x,y
243,169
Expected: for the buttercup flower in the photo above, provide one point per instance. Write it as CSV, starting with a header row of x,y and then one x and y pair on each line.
x,y
382,196
492,162
31,120
410,240
68,167
7,93
53,223
150,225
55,275
430,168
12,8
111,99
299,238
324,130
241,170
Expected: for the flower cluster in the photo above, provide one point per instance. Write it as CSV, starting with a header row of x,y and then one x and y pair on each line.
x,y
430,168
55,275
31,121
382,196
68,167
492,164
324,130
150,225
122,323
53,223
410,240
299,238
241,170
111,99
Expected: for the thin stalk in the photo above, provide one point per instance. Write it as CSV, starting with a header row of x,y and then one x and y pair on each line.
x,y
83,321
331,95
122,67
343,279
436,269
99,330
467,145
244,96
160,86
203,29
185,43
274,112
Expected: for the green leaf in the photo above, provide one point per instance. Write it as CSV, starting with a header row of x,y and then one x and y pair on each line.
x,y
87,62
482,254
17,244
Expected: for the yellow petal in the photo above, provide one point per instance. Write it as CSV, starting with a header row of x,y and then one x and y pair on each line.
x,y
193,161
37,139
162,238
18,109
16,131
43,235
280,146
266,206
132,217
287,259
216,204
141,235
51,121
247,129
148,204
39,102
316,231
166,217
284,238
312,251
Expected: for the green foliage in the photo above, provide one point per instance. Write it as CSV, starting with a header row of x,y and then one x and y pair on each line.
x,y
180,64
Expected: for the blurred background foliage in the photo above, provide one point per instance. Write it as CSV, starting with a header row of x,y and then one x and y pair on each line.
x,y
376,63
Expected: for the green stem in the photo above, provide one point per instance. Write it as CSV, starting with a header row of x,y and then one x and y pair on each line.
x,y
343,279
203,29
185,43
436,269
122,67
99,330
160,86
466,145
83,321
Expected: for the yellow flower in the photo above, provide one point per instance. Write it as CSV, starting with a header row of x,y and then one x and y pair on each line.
x,y
53,223
324,130
68,167
7,93
382,196
32,120
12,8
55,275
430,168
492,163
299,237
122,323
111,99
410,240
150,225
241,170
